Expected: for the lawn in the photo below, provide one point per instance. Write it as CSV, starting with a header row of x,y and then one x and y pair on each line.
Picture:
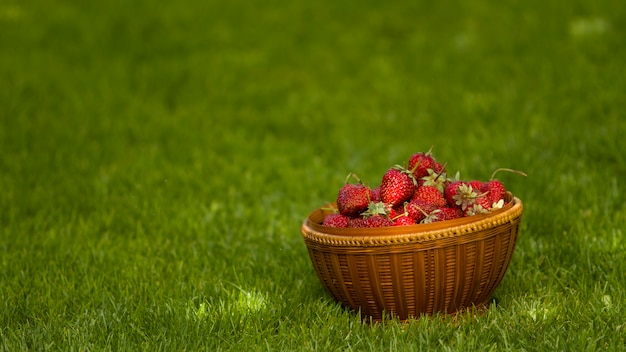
x,y
157,161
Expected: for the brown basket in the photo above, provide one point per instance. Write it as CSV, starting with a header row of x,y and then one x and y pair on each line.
x,y
408,271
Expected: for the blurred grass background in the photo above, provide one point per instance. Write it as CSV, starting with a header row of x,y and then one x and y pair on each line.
x,y
157,160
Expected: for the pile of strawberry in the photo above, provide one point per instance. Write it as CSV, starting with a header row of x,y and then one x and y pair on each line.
x,y
417,193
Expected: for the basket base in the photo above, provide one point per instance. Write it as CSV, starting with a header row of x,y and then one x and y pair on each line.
x,y
474,311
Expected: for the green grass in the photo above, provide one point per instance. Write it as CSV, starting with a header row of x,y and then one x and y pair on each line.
x,y
157,160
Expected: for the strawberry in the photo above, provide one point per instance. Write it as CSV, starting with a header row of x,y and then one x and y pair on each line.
x,y
356,222
353,198
495,191
377,221
393,213
336,220
419,163
403,220
431,195
379,208
483,201
401,217
419,209
430,218
454,191
465,196
480,206
376,194
436,179
376,215
397,186
448,213
476,184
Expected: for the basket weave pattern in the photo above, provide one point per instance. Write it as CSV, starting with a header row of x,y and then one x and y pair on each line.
x,y
414,270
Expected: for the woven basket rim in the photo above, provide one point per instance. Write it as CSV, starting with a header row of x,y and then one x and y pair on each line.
x,y
313,231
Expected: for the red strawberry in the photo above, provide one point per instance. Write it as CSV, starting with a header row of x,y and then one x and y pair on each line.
x,y
480,205
377,221
483,201
393,213
376,194
431,195
475,209
401,217
476,184
495,191
353,198
419,209
452,190
419,163
430,218
403,220
436,179
379,208
466,196
448,213
397,186
357,222
398,210
336,220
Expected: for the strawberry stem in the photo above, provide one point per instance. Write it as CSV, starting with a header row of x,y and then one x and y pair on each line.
x,y
493,175
443,170
353,175
417,164
400,215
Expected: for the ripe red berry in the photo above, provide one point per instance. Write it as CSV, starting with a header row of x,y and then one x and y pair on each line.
x,y
431,195
397,186
495,191
356,222
448,213
480,205
377,221
376,194
419,209
419,163
353,198
455,192
436,179
403,220
476,184
379,208
336,220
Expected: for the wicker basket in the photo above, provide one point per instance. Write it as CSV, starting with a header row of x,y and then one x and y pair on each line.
x,y
408,271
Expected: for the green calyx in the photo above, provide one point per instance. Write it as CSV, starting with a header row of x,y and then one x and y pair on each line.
x,y
432,217
465,196
437,180
377,208
476,209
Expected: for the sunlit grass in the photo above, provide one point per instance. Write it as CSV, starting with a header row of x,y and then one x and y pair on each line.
x,y
156,163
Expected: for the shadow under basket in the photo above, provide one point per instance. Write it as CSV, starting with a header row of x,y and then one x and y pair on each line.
x,y
408,271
